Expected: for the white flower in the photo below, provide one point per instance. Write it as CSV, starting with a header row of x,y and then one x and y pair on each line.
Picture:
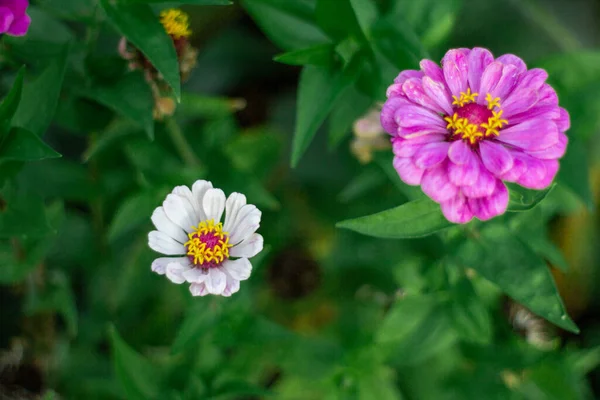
x,y
210,255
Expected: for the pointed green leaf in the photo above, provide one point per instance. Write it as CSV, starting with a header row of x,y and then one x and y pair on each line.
x,y
506,261
22,215
351,106
523,199
133,211
11,102
413,219
181,2
143,29
469,315
337,18
22,145
320,55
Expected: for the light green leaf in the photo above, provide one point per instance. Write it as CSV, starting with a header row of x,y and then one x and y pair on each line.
x,y
413,219
288,24
320,55
318,91
523,199
504,260
138,376
142,28
22,145
40,96
130,96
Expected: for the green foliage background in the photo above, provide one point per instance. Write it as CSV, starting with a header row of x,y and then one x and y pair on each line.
x,y
394,303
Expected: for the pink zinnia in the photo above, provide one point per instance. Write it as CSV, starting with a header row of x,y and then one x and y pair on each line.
x,y
13,18
459,131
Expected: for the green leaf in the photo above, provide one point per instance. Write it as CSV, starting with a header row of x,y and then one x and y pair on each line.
x,y
288,24
506,261
574,174
351,106
337,19
431,20
469,315
134,211
523,199
362,184
398,43
318,91
22,145
198,319
22,215
320,55
142,28
9,104
130,96
385,160
138,377
195,105
411,220
366,14
181,2
40,96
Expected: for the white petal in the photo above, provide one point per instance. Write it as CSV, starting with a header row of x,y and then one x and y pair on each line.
x,y
164,224
195,275
248,248
215,281
234,203
239,269
198,289
160,264
175,272
199,189
248,223
232,286
214,204
180,211
163,243
186,193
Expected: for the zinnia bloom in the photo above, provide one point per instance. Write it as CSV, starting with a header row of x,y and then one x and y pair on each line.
x,y
462,129
200,246
13,18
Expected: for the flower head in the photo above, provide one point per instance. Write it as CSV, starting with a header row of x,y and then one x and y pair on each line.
x,y
14,20
369,135
209,254
176,23
462,129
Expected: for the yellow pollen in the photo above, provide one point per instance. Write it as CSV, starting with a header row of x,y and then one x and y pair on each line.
x,y
175,23
197,248
465,98
495,102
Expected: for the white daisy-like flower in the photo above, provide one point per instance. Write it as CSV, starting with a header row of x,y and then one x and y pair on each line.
x,y
203,251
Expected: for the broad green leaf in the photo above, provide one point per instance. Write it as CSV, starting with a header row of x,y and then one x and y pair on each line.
x,y
431,20
142,28
320,55
378,384
288,24
337,19
10,103
351,106
22,215
523,199
133,211
574,174
469,315
506,261
411,220
22,145
318,91
130,96
398,43
554,381
139,378
40,96
545,248
366,14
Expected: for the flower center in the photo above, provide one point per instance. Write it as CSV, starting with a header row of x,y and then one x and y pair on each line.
x,y
175,22
208,246
473,122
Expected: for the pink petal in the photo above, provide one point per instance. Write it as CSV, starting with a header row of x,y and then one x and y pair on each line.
x,y
520,101
489,207
439,94
413,90
533,79
547,96
432,70
464,174
412,115
414,132
387,114
536,112
484,186
564,120
489,80
507,82
436,184
531,135
20,26
6,19
457,209
456,70
18,7
408,171
496,158
408,74
552,152
519,168
551,170
408,147
460,152
513,60
535,173
431,154
479,59
394,90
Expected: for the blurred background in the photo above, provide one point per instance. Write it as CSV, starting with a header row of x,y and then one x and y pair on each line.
x,y
326,314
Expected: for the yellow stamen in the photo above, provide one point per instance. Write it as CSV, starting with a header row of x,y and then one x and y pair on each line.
x,y
175,22
465,98
472,132
492,102
196,248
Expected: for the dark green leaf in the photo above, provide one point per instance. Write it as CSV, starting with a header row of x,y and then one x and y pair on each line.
x,y
414,219
22,145
469,315
366,14
385,160
115,132
351,106
138,377
130,96
318,91
523,199
133,211
197,321
22,215
368,179
11,102
337,19
181,2
40,96
142,28
320,55
289,24
197,106
574,174
504,260
398,43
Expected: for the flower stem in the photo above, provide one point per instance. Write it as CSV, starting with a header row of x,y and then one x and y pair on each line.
x,y
181,144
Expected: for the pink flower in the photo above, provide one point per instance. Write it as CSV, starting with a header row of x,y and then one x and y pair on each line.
x,y
459,131
13,19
